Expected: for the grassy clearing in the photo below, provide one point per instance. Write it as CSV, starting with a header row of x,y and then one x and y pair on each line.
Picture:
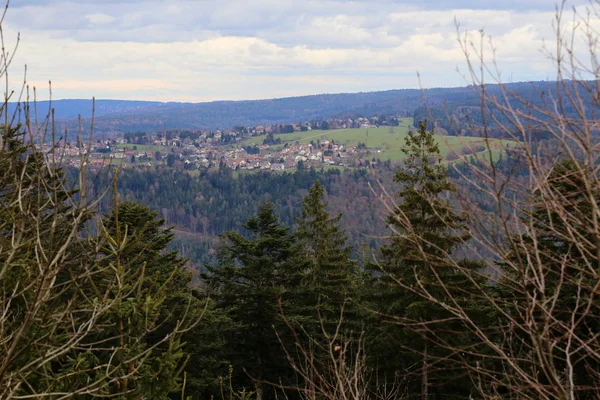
x,y
149,148
372,137
385,143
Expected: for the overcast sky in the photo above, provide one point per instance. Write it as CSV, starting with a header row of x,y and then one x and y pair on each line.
x,y
198,50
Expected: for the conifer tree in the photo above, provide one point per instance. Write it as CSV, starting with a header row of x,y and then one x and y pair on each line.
x,y
148,241
331,280
426,231
74,317
558,303
327,323
251,283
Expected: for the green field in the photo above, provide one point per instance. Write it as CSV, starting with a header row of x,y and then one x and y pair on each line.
x,y
150,148
385,143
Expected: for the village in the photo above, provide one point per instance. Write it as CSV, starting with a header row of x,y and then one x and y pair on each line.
x,y
241,148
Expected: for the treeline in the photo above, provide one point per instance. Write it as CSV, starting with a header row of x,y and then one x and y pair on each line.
x,y
132,116
206,205
212,203
459,112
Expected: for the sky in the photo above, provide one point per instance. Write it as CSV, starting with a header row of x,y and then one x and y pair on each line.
x,y
204,50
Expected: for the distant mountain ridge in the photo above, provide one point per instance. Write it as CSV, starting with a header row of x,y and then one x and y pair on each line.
x,y
113,116
73,108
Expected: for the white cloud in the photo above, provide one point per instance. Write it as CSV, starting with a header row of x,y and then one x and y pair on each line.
x,y
100,18
237,49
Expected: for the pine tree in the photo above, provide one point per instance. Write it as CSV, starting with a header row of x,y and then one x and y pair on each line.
x,y
75,317
148,241
251,282
426,231
331,280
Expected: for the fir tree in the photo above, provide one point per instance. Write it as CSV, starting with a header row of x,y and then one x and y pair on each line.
x,y
426,231
251,282
75,315
148,241
331,279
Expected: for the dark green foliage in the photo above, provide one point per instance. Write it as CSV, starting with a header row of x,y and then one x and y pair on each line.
x,y
416,259
281,289
287,129
251,283
331,281
217,201
148,240
77,311
564,241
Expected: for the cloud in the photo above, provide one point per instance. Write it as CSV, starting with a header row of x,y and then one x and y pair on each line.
x,y
237,49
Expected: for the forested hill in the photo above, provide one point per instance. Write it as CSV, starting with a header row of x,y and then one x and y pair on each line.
x,y
206,206
127,116
72,109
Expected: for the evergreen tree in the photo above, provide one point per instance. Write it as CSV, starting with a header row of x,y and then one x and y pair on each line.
x,y
426,230
331,279
252,281
75,317
555,295
325,303
148,240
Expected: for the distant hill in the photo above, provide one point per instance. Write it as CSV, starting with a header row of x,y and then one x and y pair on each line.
x,y
227,114
114,116
72,109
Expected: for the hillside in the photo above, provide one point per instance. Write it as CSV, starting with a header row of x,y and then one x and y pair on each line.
x,y
114,116
72,109
383,143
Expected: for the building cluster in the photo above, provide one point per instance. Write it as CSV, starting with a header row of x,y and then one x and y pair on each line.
x,y
201,154
212,149
278,158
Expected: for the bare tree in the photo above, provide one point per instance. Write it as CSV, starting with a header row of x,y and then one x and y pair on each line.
x,y
334,366
542,239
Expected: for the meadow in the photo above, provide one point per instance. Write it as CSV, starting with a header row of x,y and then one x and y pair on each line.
x,y
150,148
386,142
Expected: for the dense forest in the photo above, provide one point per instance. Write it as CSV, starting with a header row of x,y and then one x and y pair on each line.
x,y
285,306
201,207
205,206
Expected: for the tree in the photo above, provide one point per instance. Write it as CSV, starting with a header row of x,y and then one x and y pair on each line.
x,y
171,158
426,230
288,129
570,292
540,225
75,317
331,281
324,315
148,240
251,283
